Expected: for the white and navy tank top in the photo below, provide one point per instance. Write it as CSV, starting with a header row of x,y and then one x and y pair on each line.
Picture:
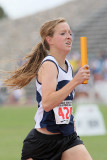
x,y
47,120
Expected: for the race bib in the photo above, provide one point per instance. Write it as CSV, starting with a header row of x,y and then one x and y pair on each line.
x,y
63,112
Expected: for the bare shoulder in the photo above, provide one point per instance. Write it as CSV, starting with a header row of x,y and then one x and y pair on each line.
x,y
48,68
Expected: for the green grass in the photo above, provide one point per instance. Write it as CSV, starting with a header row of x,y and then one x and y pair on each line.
x,y
16,122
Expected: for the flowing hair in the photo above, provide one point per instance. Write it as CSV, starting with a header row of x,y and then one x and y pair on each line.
x,y
29,69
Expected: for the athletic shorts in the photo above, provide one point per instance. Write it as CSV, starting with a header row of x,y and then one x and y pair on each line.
x,y
39,146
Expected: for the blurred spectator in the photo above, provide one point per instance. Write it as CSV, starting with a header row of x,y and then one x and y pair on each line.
x,y
104,66
17,97
99,66
0,84
96,66
75,61
3,93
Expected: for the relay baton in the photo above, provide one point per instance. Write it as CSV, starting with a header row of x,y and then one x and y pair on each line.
x,y
83,43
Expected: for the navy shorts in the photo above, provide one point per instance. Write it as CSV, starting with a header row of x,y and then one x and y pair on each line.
x,y
39,146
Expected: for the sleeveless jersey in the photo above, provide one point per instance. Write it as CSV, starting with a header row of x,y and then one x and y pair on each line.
x,y
45,119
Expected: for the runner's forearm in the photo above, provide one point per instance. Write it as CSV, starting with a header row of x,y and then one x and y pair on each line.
x,y
57,97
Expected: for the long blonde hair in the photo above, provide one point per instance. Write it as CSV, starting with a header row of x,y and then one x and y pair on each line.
x,y
27,71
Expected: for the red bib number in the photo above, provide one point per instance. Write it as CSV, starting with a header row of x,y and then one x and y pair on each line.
x,y
63,112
